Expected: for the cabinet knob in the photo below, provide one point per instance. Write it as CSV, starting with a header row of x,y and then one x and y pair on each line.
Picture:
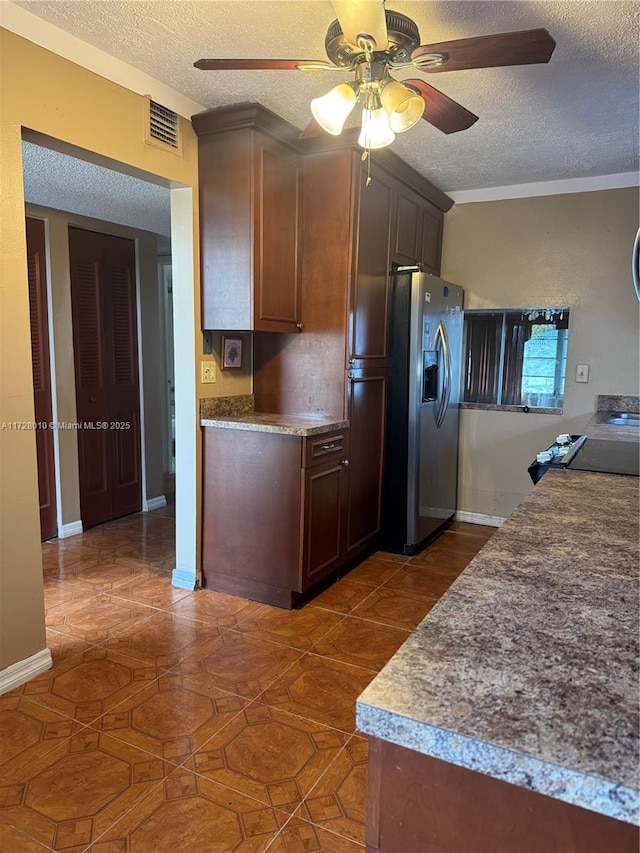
x,y
299,326
344,463
92,398
352,361
350,376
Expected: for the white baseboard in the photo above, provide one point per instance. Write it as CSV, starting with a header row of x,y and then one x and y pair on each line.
x,y
16,674
154,503
70,529
479,518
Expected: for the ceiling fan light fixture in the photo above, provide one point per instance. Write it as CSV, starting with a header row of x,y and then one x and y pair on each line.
x,y
332,110
376,131
404,107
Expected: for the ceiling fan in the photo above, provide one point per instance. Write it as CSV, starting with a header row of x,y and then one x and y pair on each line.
x,y
372,42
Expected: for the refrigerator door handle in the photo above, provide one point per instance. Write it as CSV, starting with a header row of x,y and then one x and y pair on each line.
x,y
446,384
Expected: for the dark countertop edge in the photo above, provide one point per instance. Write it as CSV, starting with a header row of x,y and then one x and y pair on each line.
x,y
576,788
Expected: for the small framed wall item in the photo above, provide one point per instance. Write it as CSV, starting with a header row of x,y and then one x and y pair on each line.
x,y
231,353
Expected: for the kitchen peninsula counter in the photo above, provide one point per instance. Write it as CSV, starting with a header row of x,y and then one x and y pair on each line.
x,y
526,673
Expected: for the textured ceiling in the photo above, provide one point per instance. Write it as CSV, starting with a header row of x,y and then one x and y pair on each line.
x,y
52,179
576,117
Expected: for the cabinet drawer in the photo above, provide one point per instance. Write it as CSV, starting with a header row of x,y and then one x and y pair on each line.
x,y
320,448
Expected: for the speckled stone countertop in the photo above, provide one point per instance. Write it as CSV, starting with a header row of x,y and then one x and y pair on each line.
x,y
607,404
303,425
527,668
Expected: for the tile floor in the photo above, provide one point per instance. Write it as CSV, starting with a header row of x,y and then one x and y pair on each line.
x,y
183,722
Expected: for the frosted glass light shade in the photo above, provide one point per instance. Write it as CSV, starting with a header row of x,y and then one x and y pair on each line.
x,y
332,109
376,132
403,106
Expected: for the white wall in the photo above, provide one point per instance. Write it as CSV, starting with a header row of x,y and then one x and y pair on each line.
x,y
570,250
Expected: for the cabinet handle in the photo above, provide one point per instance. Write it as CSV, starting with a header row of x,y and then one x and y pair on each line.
x,y
328,446
344,463
299,326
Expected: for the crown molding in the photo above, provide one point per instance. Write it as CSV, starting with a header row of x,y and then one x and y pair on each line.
x,y
542,188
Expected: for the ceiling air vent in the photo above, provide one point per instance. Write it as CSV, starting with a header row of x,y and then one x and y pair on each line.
x,y
163,125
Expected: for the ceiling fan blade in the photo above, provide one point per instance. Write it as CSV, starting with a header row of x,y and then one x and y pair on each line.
x,y
447,115
263,65
362,16
526,47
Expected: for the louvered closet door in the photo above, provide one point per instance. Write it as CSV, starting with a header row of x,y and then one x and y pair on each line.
x,y
38,310
106,367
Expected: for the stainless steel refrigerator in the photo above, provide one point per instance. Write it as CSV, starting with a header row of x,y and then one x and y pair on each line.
x,y
421,452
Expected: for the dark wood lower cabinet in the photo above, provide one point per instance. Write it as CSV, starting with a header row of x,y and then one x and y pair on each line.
x,y
273,512
366,398
419,804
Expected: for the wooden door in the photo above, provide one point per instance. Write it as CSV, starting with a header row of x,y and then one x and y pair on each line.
x,y
103,297
366,397
39,314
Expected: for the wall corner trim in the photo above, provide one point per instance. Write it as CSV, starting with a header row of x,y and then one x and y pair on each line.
x,y
154,503
18,673
479,518
70,529
184,579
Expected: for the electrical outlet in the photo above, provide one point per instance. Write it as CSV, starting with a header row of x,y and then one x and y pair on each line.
x,y
582,372
208,371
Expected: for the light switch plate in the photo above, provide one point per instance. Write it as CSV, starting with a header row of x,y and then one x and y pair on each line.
x,y
208,372
582,372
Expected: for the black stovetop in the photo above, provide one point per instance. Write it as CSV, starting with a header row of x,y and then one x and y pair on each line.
x,y
607,457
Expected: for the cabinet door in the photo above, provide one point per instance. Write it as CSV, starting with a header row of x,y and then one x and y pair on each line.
x,y
324,506
368,338
366,393
277,226
408,227
431,239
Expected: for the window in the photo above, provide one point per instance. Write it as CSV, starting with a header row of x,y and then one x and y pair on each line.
x,y
516,357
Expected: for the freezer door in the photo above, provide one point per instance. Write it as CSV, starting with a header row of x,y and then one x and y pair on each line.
x,y
434,461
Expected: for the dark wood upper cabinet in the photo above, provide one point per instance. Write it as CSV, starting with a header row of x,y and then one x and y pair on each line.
x,y
368,338
418,231
250,219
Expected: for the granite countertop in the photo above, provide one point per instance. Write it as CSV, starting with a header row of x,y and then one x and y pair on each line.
x,y
303,425
527,668
607,405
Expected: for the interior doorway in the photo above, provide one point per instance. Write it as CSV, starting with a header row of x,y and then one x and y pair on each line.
x,y
177,245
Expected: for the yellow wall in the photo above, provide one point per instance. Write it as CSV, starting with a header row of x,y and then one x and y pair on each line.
x,y
45,93
573,250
